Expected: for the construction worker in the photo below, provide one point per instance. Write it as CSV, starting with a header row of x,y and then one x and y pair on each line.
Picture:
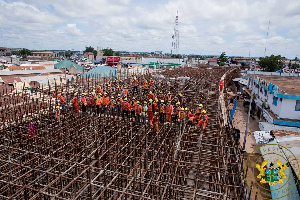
x,y
98,103
150,95
150,111
156,105
125,109
151,83
108,90
75,103
55,93
119,102
83,103
145,86
31,131
162,112
132,106
144,112
125,92
99,90
57,112
181,115
89,106
138,111
112,104
180,99
169,109
63,101
177,112
93,102
204,118
189,115
105,101
118,89
156,120
169,97
198,113
161,96
135,84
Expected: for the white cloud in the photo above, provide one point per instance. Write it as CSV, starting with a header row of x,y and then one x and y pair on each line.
x,y
73,30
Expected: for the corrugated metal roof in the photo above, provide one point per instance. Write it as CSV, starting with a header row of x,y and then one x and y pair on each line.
x,y
10,79
24,72
101,71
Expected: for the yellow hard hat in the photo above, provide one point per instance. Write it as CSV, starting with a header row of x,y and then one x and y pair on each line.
x,y
90,93
169,92
178,103
133,98
150,100
186,109
93,93
162,101
150,92
156,99
160,92
75,94
98,86
57,107
155,113
182,108
125,99
105,93
137,102
169,101
119,95
200,105
62,93
180,94
204,111
112,97
145,101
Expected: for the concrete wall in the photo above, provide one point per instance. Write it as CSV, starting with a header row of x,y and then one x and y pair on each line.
x,y
288,110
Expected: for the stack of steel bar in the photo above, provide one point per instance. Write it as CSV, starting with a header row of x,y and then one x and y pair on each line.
x,y
92,157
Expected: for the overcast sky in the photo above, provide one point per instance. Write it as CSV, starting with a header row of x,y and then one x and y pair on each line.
x,y
205,26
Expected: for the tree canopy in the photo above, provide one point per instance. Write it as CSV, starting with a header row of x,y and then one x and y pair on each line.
x,y
270,64
91,49
25,52
222,58
176,56
108,52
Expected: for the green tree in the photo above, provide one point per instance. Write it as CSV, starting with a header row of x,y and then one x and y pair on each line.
x,y
91,49
117,53
108,52
176,56
3,67
270,64
25,52
222,58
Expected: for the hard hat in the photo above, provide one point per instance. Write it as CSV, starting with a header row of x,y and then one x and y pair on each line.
x,y
137,102
150,78
155,113
200,105
57,107
150,100
169,101
160,92
156,99
93,93
204,111
90,93
109,85
180,94
29,119
75,94
62,93
98,86
125,99
145,102
133,98
186,109
162,101
119,95
105,93
112,97
150,92
169,92
182,109
178,103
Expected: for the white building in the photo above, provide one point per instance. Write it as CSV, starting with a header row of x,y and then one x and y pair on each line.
x,y
278,97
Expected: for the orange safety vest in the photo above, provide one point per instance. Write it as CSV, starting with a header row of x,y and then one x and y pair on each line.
x,y
135,83
62,100
152,83
57,113
138,109
169,97
181,115
150,108
98,101
170,109
84,102
105,101
145,85
162,109
112,103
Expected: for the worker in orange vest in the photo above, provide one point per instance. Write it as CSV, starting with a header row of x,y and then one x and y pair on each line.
x,y
132,106
125,92
177,112
92,102
189,115
151,82
57,112
75,103
145,86
138,111
83,103
203,118
150,95
63,101
98,104
135,84
125,109
162,112
112,104
156,105
169,97
198,113
150,112
161,96
156,120
105,101
99,90
169,109
181,115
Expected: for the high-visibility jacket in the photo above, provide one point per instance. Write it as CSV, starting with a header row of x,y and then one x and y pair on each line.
x,y
150,107
144,109
135,83
198,111
169,98
133,106
92,100
155,106
181,115
112,103
105,100
162,108
57,113
99,90
119,101
161,96
84,101
151,96
125,92
99,101
138,109
145,85
125,106
75,100
62,100
152,83
169,109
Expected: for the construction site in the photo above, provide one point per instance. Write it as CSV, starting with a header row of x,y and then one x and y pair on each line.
x,y
80,156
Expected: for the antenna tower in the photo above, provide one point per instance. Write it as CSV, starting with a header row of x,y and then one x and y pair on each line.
x,y
267,38
175,37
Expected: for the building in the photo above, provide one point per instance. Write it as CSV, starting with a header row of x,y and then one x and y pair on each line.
x,y
5,51
89,56
277,96
213,62
46,54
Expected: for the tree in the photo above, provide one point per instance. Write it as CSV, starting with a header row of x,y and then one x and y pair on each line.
x,y
108,52
270,64
91,49
222,58
117,53
176,56
25,52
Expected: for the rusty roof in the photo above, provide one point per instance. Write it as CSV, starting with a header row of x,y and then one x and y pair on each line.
x,y
10,79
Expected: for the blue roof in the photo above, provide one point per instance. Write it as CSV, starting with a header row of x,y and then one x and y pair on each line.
x,y
101,71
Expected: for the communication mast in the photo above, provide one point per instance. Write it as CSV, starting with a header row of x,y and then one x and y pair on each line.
x,y
175,37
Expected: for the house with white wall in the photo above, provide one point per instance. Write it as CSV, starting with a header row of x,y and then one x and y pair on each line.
x,y
278,97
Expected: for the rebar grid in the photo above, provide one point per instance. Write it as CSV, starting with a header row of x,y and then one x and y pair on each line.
x,y
84,157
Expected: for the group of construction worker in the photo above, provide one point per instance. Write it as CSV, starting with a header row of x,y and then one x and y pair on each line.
x,y
145,108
